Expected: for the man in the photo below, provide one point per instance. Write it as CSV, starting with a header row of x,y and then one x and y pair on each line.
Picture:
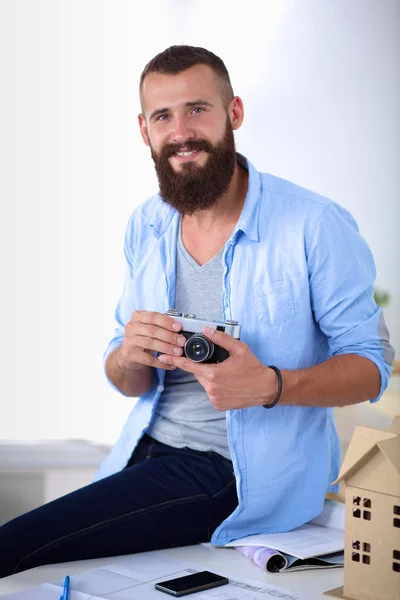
x,y
220,450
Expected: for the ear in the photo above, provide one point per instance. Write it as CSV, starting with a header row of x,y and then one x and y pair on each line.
x,y
143,129
236,112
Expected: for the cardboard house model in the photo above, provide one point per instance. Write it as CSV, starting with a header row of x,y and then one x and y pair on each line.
x,y
371,472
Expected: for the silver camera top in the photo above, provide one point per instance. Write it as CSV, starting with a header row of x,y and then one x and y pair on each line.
x,y
195,324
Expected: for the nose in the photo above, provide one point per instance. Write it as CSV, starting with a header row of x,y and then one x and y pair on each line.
x,y
182,129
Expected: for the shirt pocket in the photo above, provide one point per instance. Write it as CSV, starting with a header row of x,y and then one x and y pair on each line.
x,y
274,301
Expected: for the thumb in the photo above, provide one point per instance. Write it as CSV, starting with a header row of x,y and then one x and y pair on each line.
x,y
222,339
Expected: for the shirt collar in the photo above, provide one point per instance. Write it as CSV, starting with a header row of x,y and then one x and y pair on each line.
x,y
248,220
249,217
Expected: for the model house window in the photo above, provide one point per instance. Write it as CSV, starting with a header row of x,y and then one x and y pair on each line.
x,y
366,503
356,511
366,552
396,562
396,511
367,513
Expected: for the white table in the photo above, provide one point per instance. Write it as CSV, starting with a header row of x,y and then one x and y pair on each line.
x,y
311,584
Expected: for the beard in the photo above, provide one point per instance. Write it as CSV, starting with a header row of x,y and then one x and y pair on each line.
x,y
195,187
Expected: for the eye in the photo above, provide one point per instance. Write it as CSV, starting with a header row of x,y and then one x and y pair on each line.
x,y
162,118
197,110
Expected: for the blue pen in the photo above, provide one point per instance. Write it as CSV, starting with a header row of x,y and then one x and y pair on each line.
x,y
66,589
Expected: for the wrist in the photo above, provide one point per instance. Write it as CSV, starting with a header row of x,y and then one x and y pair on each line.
x,y
270,387
275,388
123,367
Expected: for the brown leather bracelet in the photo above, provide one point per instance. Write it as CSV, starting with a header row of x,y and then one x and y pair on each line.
x,y
280,385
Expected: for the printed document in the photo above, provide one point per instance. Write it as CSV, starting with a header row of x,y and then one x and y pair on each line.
x,y
133,578
321,536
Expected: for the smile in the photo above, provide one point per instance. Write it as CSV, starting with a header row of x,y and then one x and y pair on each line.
x,y
187,153
186,156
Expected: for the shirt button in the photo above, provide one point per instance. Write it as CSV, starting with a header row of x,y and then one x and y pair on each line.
x,y
160,388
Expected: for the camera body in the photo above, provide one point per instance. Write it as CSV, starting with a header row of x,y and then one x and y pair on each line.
x,y
198,347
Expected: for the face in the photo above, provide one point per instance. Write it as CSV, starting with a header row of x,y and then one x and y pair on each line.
x,y
190,134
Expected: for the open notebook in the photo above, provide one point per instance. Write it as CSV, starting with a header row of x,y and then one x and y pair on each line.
x,y
315,545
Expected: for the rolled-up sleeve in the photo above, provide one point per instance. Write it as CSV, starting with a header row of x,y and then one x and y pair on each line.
x,y
342,272
125,305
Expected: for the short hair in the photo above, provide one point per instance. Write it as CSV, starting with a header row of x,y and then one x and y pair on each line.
x,y
176,59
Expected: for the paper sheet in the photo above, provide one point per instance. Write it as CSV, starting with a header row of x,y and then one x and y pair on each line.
x,y
133,578
323,535
307,541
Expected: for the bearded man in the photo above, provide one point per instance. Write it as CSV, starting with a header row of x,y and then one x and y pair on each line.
x,y
219,450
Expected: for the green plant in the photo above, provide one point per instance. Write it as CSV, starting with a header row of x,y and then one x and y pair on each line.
x,y
382,297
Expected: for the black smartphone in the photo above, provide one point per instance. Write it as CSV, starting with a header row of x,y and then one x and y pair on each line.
x,y
189,584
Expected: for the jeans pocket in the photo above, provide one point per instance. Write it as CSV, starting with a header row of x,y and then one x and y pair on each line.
x,y
229,465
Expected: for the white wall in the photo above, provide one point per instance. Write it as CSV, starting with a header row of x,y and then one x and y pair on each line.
x,y
320,82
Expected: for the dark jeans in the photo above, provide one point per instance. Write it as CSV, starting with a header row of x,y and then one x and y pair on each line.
x,y
164,497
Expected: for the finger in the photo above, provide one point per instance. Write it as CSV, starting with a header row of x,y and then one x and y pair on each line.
x,y
157,346
159,333
202,382
156,318
224,340
185,364
143,358
134,342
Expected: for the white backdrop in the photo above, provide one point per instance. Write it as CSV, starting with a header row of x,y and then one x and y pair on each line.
x,y
321,85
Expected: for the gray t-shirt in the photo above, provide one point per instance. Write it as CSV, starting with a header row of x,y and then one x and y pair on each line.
x,y
184,415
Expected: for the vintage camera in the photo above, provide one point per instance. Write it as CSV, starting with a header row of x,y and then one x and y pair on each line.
x,y
198,347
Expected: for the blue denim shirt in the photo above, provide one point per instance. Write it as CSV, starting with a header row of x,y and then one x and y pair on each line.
x,y
298,277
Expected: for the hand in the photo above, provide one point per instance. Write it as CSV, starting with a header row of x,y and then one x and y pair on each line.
x,y
238,382
149,332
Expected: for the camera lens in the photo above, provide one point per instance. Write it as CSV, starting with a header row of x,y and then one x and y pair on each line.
x,y
198,348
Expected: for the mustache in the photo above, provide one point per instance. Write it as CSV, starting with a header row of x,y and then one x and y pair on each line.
x,y
189,145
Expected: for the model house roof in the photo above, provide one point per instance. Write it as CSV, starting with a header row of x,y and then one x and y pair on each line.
x,y
365,443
